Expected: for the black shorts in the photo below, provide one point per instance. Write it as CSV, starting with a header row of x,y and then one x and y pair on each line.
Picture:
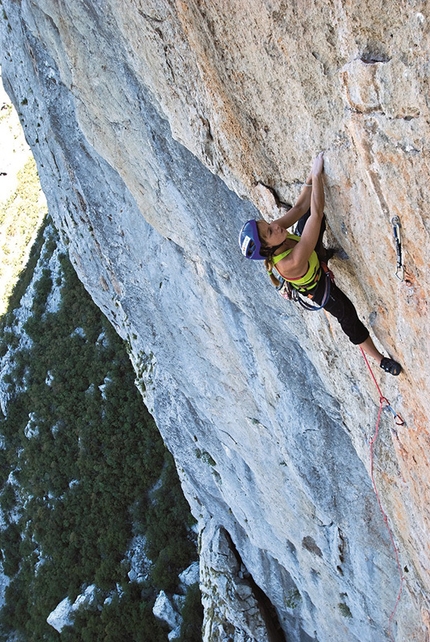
x,y
343,309
338,303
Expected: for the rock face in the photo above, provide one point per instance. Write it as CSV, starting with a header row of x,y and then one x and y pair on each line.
x,y
61,616
158,129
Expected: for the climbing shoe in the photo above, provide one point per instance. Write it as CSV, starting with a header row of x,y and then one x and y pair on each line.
x,y
391,366
326,253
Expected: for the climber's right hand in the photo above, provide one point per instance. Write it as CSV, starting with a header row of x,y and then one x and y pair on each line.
x,y
318,165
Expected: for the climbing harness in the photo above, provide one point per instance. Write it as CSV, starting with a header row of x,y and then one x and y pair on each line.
x,y
328,276
288,291
400,270
399,421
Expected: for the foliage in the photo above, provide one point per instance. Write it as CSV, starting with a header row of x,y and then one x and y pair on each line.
x,y
345,610
80,457
192,613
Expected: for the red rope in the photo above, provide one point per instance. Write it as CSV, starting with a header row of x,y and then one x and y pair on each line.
x,y
384,402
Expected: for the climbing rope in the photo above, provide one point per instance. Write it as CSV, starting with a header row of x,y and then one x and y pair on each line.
x,y
384,403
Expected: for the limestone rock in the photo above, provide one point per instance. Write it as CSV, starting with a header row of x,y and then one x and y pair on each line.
x,y
62,615
139,563
190,576
158,129
163,609
228,595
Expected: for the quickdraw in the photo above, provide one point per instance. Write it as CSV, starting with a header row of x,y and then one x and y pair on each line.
x,y
400,270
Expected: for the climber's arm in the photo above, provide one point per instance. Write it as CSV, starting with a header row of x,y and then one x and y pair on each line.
x,y
306,197
301,206
309,237
296,263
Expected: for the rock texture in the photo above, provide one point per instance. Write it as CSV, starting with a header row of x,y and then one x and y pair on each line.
x,y
158,129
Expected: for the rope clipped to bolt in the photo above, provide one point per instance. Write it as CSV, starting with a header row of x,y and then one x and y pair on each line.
x,y
399,421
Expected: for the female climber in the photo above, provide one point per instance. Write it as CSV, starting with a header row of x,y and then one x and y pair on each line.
x,y
298,259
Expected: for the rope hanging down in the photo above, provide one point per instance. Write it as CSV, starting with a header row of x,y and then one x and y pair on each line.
x,y
384,403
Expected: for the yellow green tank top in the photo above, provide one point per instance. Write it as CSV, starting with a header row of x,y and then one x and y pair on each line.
x,y
308,280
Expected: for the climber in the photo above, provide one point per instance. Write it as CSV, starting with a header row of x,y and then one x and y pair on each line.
x,y
299,260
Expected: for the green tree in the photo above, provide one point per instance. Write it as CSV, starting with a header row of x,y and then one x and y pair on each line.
x,y
85,476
